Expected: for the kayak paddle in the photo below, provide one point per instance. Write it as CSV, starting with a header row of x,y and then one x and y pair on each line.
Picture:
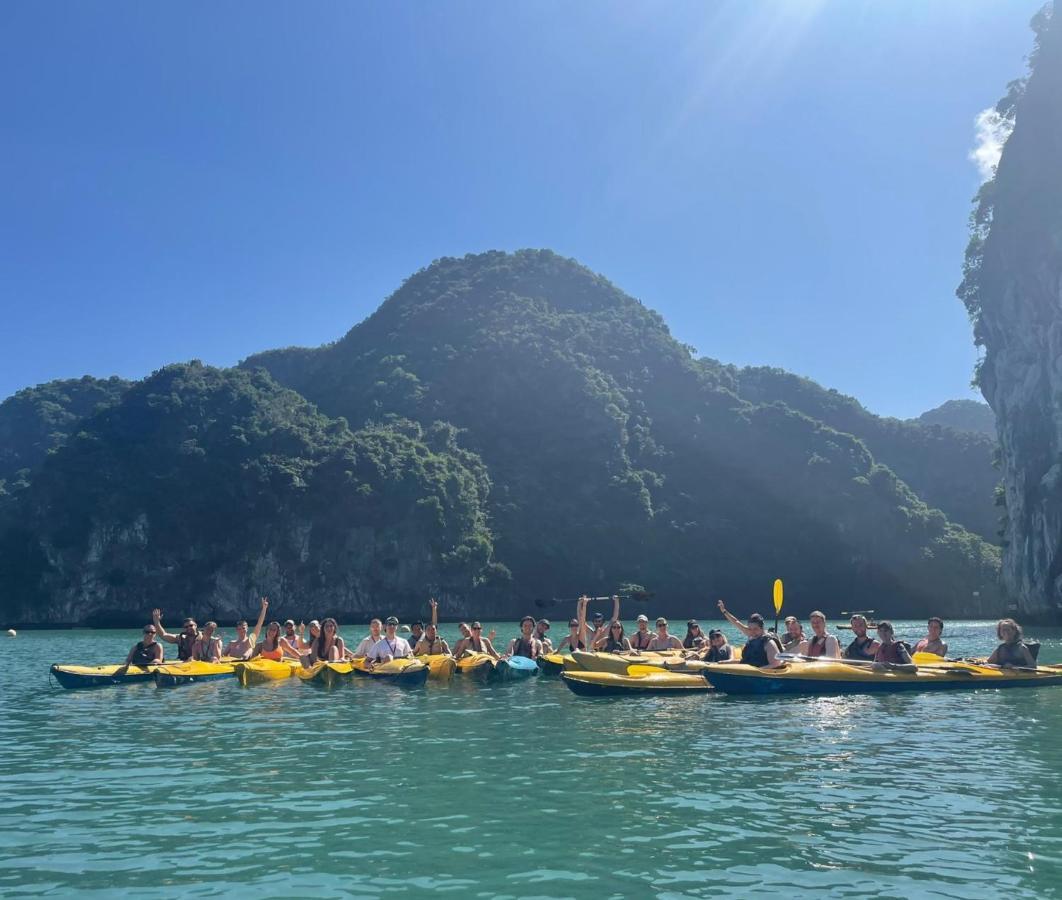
x,y
777,602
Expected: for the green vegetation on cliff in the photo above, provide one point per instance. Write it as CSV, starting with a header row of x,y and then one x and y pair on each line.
x,y
202,489
961,415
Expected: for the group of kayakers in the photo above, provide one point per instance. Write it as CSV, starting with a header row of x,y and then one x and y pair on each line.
x,y
320,640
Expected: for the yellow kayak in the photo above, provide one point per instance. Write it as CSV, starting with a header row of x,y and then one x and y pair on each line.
x,y
617,663
476,665
408,672
551,663
174,674
259,671
440,665
603,684
323,673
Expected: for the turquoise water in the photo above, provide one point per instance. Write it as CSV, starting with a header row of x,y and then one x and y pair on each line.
x,y
520,790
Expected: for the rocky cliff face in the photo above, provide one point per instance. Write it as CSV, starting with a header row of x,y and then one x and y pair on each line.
x,y
1013,290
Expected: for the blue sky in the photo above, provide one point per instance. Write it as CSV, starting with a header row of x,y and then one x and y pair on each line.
x,y
786,182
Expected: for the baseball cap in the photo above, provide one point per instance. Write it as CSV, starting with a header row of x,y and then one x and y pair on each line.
x,y
642,618
572,622
391,620
692,622
715,632
290,622
661,621
314,622
417,623
544,622
599,616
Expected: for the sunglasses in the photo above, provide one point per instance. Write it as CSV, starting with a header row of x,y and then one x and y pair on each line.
x,y
150,631
617,628
477,628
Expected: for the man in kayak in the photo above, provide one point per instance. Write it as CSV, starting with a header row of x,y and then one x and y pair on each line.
x,y
416,632
793,636
718,648
642,636
1012,652
821,643
541,627
525,644
243,646
390,646
147,652
891,654
664,639
863,646
375,633
185,640
761,649
932,643
208,647
431,644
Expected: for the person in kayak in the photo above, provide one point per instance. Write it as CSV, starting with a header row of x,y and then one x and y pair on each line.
x,y
1012,653
479,644
541,627
599,628
525,644
694,639
390,646
290,642
270,648
572,641
794,635
462,642
614,640
891,654
664,639
243,645
863,646
821,643
375,633
328,646
185,640
642,636
146,652
208,647
719,650
761,649
932,643
416,632
431,644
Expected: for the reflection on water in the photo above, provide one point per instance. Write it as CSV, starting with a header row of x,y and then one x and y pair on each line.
x,y
521,789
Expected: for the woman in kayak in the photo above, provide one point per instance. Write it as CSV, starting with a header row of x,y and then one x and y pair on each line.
x,y
479,644
932,643
718,648
863,646
270,648
147,652
462,643
642,637
794,635
572,641
664,639
525,644
614,640
431,644
694,639
1012,652
821,643
242,647
328,646
208,647
761,649
891,654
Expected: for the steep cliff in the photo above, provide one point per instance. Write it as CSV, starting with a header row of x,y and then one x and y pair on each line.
x,y
1013,291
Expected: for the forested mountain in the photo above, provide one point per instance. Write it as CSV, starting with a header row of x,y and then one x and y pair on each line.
x,y
504,428
37,420
1012,291
962,415
950,470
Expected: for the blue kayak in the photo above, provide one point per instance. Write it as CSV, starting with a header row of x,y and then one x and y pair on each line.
x,y
515,667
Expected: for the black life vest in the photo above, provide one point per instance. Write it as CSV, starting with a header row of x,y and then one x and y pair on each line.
x,y
719,654
523,647
613,646
754,652
858,648
186,646
142,656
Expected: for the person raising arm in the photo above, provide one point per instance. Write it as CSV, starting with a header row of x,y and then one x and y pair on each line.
x,y
243,645
185,640
760,649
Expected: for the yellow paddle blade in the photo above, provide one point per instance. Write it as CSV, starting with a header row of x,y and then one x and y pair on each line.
x,y
925,659
642,671
777,595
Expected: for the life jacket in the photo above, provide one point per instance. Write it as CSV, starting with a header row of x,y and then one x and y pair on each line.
x,y
142,656
719,654
186,646
816,646
1010,655
524,647
613,646
431,642
637,641
889,653
857,649
788,642
754,652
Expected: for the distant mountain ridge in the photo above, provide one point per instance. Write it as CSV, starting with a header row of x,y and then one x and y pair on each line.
x,y
961,415
566,442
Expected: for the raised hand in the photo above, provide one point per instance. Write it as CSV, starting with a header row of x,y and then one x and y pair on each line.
x,y
265,603
722,607
433,603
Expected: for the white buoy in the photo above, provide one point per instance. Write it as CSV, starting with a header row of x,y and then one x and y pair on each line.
x,y
11,632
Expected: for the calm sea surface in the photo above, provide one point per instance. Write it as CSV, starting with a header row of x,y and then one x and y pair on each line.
x,y
520,790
